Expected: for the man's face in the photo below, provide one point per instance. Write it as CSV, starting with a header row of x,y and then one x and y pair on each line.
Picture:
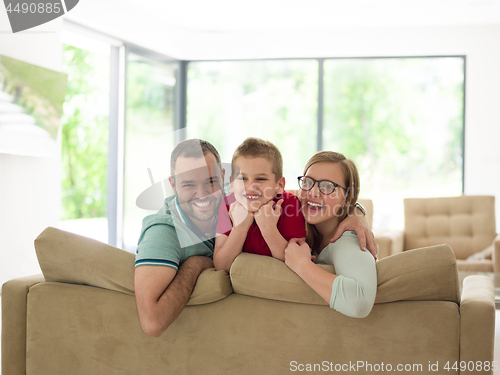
x,y
199,186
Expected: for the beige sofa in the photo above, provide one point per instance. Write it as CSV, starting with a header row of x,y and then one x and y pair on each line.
x,y
81,318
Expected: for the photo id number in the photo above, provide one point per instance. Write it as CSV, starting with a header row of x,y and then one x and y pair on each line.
x,y
34,8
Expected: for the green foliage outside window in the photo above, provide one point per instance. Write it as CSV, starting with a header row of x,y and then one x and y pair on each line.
x,y
399,119
272,99
85,134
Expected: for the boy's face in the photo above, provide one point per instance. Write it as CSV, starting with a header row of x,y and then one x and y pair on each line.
x,y
256,183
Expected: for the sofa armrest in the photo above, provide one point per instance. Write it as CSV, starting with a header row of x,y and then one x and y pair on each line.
x,y
14,304
477,319
389,242
495,257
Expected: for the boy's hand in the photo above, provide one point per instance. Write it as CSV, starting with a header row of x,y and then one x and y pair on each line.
x,y
240,216
267,215
358,224
297,253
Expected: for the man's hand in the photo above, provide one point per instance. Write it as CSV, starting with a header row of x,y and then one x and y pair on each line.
x,y
358,224
268,214
240,216
297,253
162,292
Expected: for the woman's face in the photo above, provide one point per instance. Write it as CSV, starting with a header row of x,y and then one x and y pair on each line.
x,y
319,208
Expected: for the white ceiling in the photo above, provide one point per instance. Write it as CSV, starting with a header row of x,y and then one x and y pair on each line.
x,y
176,27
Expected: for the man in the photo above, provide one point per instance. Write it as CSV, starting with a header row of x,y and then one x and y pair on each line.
x,y
177,243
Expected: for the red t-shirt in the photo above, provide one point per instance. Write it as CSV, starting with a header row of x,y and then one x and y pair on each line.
x,y
291,224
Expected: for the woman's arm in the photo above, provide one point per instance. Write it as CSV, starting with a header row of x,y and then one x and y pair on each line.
x,y
355,288
352,290
298,259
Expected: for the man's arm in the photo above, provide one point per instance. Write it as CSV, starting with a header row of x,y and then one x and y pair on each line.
x,y
162,292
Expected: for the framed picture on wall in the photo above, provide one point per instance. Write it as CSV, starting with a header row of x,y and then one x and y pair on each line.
x,y
31,101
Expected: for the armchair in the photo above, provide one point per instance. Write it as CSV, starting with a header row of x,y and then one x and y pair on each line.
x,y
466,223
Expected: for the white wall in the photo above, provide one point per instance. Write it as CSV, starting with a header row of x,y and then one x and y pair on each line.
x,y
29,186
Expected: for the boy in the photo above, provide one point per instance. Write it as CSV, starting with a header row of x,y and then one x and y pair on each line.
x,y
258,216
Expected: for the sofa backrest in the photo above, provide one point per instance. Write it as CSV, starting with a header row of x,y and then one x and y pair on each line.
x,y
466,223
423,274
71,258
428,274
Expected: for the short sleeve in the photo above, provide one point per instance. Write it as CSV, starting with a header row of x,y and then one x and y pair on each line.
x,y
224,224
292,223
158,246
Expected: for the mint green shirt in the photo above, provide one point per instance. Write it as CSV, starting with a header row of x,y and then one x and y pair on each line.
x,y
167,238
355,287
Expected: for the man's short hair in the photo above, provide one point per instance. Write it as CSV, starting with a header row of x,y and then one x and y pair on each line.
x,y
192,148
259,148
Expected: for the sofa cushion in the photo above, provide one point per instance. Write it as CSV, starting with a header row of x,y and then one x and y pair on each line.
x,y
422,274
266,277
425,274
71,258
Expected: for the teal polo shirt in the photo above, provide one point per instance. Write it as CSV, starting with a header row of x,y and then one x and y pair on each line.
x,y
168,238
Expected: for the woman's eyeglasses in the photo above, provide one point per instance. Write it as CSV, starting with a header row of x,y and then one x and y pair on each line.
x,y
325,187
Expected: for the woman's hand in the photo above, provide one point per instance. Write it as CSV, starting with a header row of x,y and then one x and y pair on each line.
x,y
358,224
297,253
240,216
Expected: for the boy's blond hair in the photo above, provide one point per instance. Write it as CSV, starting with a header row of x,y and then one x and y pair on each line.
x,y
259,148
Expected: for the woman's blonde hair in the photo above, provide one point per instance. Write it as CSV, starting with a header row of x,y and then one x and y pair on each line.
x,y
313,237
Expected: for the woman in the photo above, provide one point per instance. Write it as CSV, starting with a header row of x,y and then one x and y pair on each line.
x,y
329,190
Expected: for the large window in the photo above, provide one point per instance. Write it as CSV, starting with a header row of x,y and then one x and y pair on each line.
x,y
400,119
117,134
274,100
85,138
